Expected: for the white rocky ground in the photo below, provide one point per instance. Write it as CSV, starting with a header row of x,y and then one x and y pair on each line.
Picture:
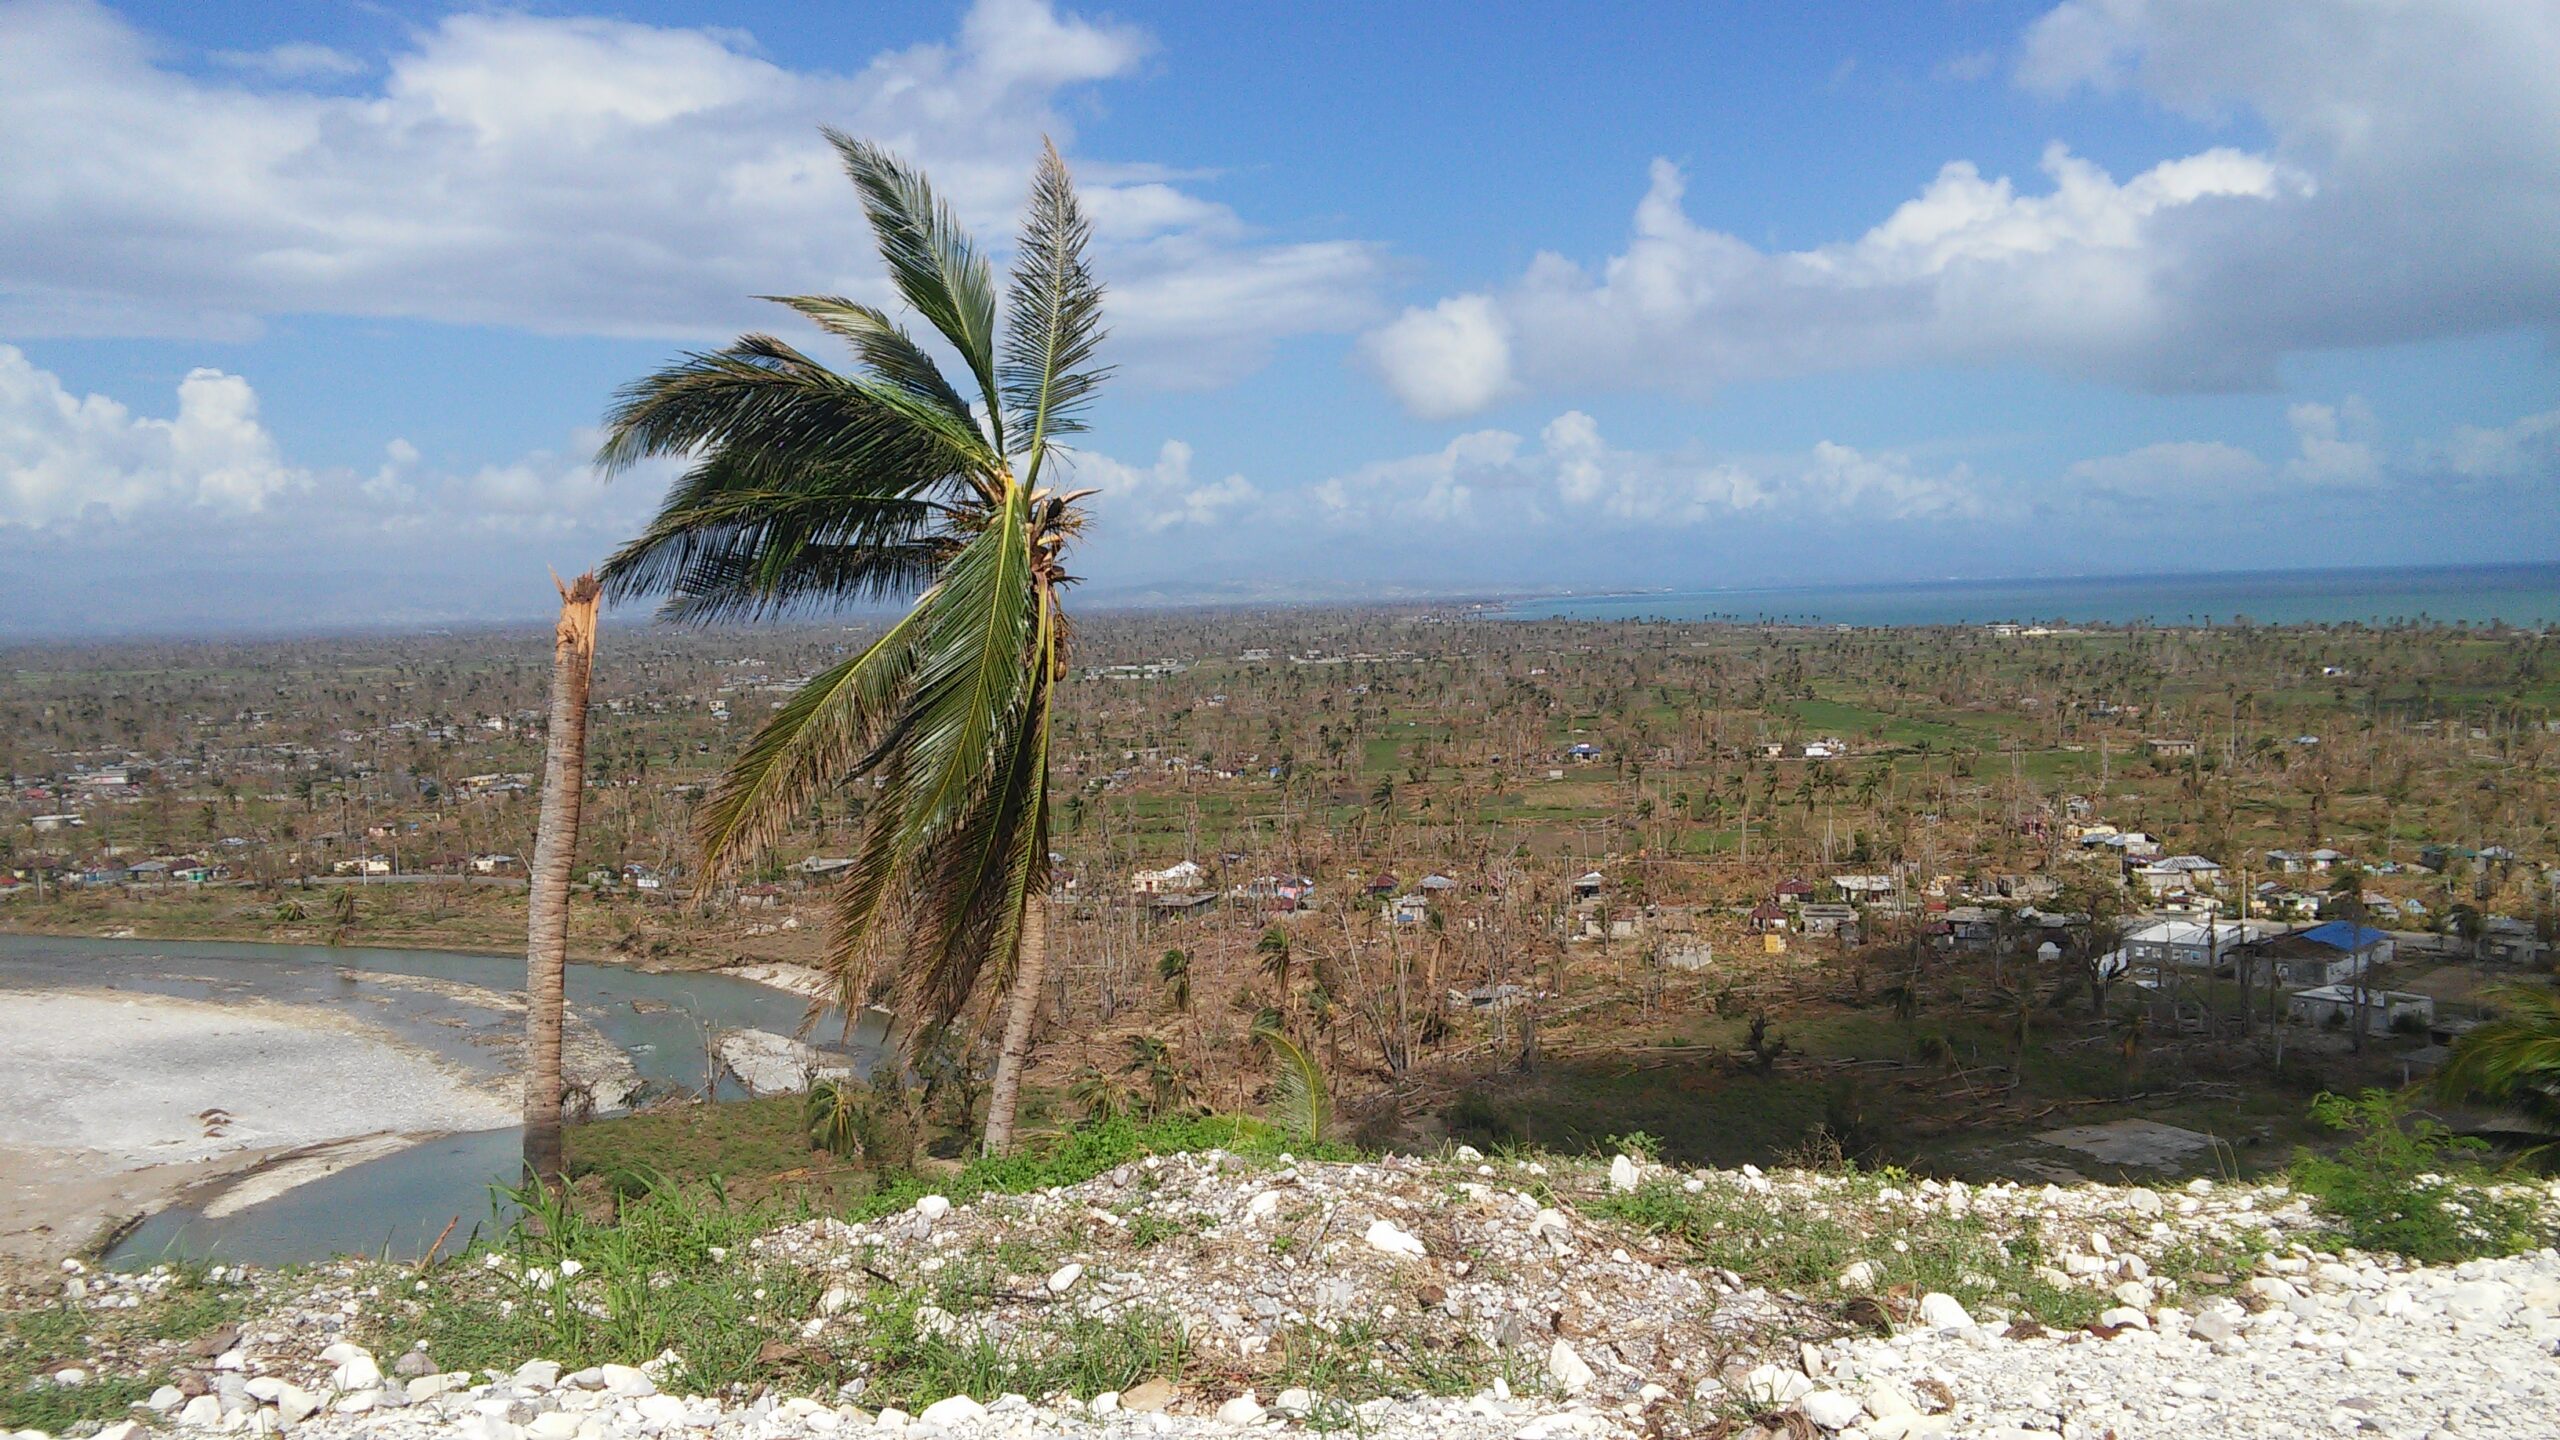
x,y
1615,1336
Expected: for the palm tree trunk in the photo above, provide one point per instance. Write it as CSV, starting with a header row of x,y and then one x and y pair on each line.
x,y
1023,1004
546,955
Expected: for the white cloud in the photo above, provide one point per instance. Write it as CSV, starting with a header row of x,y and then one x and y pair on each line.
x,y
1156,498
2173,470
2336,445
2338,454
2527,449
583,175
1496,480
299,60
66,457
2412,190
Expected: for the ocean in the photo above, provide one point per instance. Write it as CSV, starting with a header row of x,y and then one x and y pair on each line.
x,y
2520,595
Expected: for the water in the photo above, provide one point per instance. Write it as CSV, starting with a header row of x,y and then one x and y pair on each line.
x,y
398,1203
2522,595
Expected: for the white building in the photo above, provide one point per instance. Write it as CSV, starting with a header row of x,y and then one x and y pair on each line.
x,y
2385,1011
1180,878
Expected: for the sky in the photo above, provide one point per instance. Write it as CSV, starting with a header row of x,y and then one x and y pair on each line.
x,y
309,311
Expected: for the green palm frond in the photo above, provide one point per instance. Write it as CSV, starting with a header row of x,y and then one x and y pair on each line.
x,y
821,736
1053,315
973,670
980,873
1300,1102
767,409
2514,1059
930,259
913,383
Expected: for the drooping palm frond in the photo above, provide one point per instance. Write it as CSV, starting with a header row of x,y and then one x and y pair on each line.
x,y
1300,1102
2512,1060
1053,318
820,737
930,259
722,547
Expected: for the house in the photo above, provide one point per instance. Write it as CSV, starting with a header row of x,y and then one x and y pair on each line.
x,y
1589,884
1689,956
2386,1012
57,822
1768,918
2324,859
1863,888
2169,746
1179,878
818,866
2330,954
1488,997
2287,862
2506,940
1276,892
1793,891
1837,921
491,864
1582,754
1439,885
1405,910
363,865
1974,929
2189,944
2179,875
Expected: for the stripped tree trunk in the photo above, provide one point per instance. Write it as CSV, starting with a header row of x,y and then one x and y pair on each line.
x,y
546,956
1023,1001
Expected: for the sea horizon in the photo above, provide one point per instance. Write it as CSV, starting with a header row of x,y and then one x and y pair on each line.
x,y
2523,594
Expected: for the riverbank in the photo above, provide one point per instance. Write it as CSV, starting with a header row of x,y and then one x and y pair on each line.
x,y
122,1103
200,1082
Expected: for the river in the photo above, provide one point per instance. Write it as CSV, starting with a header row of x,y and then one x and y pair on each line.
x,y
457,1007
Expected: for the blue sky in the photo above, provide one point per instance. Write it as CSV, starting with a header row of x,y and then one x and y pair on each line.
x,y
307,311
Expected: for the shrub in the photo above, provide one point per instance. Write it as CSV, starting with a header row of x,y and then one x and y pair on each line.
x,y
2404,1184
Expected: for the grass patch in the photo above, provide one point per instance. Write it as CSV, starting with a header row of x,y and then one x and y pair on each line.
x,y
671,1267
1806,1253
123,1351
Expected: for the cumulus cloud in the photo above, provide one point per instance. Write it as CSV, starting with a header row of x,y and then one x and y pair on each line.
x,y
2338,454
2412,190
1152,499
133,518
65,457
2527,449
1493,479
582,175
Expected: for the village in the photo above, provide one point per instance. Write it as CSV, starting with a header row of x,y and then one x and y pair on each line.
x,y
1484,834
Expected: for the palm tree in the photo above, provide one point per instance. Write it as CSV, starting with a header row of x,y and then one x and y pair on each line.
x,y
1273,947
812,486
2514,1059
555,849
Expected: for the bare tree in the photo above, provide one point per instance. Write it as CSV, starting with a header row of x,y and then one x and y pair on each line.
x,y
546,956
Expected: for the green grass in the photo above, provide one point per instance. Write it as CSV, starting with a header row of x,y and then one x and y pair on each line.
x,y
124,1351
672,1268
1806,1253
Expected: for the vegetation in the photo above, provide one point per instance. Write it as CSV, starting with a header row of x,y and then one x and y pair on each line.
x,y
813,487
2512,1060
127,1352
2404,1185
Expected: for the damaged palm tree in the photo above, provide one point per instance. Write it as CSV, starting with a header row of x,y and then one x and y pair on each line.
x,y
555,852
812,486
